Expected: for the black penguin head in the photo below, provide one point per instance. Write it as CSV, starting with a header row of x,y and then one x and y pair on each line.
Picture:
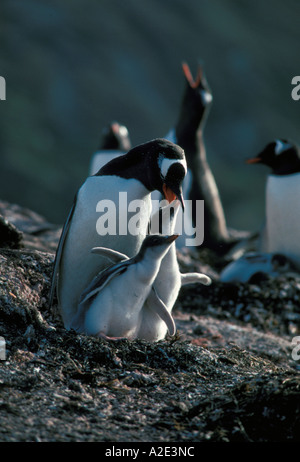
x,y
154,240
197,87
164,168
196,100
172,168
281,155
159,164
115,136
157,243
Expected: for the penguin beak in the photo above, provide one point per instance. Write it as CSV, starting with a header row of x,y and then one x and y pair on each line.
x,y
253,160
170,195
180,198
172,238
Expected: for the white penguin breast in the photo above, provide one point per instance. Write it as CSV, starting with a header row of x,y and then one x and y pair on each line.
x,y
283,215
79,265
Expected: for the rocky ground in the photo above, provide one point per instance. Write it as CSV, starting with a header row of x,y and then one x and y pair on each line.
x,y
228,375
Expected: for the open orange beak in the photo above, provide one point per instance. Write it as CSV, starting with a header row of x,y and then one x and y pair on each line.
x,y
168,193
170,196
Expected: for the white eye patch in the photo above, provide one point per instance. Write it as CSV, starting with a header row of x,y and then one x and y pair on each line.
x,y
164,165
281,146
123,131
206,97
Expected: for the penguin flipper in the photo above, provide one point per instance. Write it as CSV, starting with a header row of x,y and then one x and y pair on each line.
x,y
59,252
102,279
113,255
190,278
157,305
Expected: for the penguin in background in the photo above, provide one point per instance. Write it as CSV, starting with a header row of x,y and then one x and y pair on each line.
x,y
282,206
115,142
156,165
200,183
254,267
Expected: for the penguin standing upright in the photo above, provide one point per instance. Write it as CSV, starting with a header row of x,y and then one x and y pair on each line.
x,y
111,306
169,279
114,143
157,164
282,215
188,133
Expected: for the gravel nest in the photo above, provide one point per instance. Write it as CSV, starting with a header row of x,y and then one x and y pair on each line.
x,y
227,375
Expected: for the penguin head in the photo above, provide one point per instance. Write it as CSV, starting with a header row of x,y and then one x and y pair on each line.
x,y
281,155
197,87
196,99
166,169
158,164
115,136
156,245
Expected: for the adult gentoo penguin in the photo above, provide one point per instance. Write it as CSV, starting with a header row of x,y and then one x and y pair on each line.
x,y
189,133
115,142
282,215
115,137
111,306
158,164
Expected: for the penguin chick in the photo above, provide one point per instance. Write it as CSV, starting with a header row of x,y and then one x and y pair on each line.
x,y
200,183
111,306
157,164
115,142
169,279
166,218
282,210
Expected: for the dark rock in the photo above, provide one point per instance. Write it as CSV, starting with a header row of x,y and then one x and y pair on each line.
x,y
10,236
24,227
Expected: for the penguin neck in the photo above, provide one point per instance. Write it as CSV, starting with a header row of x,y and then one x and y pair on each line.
x,y
148,267
193,115
189,131
286,170
189,124
192,142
